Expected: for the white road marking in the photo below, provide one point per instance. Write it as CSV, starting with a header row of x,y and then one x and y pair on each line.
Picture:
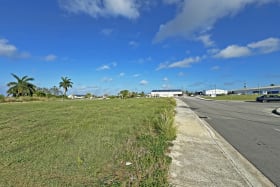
x,y
277,130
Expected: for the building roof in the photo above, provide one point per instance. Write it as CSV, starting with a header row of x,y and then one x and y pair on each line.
x,y
258,88
172,90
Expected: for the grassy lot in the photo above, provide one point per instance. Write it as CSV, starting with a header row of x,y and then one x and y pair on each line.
x,y
86,143
234,97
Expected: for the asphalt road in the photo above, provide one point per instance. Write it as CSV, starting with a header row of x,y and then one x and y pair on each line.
x,y
250,127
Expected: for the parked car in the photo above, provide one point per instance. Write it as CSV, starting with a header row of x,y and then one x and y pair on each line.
x,y
268,98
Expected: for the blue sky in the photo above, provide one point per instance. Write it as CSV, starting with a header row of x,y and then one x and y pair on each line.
x,y
105,46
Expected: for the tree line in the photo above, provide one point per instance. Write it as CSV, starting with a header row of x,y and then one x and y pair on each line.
x,y
22,86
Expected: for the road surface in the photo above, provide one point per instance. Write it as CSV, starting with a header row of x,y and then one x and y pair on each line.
x,y
248,126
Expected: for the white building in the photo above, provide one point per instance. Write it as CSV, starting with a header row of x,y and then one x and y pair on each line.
x,y
215,92
166,93
72,96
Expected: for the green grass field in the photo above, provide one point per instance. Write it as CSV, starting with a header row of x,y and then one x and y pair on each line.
x,y
86,143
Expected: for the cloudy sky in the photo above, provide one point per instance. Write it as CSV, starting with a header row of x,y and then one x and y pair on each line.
x,y
105,46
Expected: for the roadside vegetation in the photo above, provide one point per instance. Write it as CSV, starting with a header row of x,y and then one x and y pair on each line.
x,y
116,142
22,90
234,97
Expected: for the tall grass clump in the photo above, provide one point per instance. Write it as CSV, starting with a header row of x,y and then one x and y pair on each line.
x,y
164,124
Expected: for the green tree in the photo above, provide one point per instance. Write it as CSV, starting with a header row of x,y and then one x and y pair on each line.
x,y
124,94
42,92
133,94
21,87
65,84
88,95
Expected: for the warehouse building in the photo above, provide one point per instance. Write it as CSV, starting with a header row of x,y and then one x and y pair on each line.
x,y
259,90
215,92
166,93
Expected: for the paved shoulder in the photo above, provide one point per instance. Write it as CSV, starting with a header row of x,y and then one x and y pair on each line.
x,y
200,157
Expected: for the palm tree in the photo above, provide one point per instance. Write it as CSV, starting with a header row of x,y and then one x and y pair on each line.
x,y
22,87
65,84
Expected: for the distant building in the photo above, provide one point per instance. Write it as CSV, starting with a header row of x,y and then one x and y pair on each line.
x,y
215,92
166,93
259,90
76,96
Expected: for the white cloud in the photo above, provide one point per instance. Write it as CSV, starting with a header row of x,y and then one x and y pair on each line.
x,y
7,49
104,67
213,51
196,16
136,75
107,79
165,79
11,51
107,67
144,60
266,46
102,8
114,64
50,57
181,74
143,82
106,32
185,63
163,65
233,51
206,40
215,68
121,74
133,44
